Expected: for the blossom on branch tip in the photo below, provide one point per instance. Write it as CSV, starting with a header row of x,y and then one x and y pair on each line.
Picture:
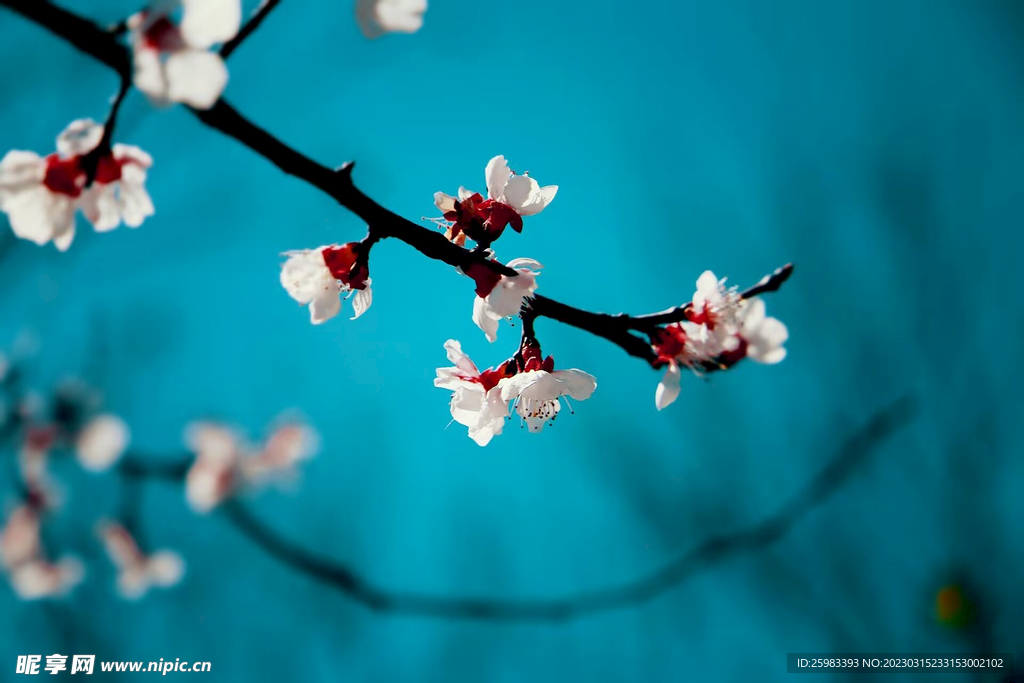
x,y
173,62
40,195
476,399
510,197
318,277
721,329
761,337
377,17
137,571
501,296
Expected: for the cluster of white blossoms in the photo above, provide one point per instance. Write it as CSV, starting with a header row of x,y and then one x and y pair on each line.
x,y
32,576
721,329
97,442
510,197
226,465
41,195
70,424
527,384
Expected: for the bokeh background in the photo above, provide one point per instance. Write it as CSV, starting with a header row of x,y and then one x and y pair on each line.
x,y
878,145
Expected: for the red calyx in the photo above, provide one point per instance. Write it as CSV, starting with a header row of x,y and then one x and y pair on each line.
x,y
482,220
704,317
162,35
671,342
345,264
730,358
531,358
485,278
64,176
490,377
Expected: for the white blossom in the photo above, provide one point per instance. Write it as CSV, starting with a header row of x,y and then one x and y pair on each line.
x,y
101,442
225,464
32,576
520,192
175,62
721,329
137,571
39,578
762,336
536,393
212,476
506,298
41,195
318,278
476,398
288,446
377,17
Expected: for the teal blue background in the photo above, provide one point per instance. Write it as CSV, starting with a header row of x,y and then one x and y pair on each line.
x,y
878,145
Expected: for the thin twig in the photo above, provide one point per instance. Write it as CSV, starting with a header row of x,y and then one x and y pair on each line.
x,y
265,8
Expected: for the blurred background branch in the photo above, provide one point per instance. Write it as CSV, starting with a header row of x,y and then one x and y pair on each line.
x,y
836,472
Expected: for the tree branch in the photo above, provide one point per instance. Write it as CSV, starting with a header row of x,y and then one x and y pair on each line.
x,y
104,46
265,8
882,425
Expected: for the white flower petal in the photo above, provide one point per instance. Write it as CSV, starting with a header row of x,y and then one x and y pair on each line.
x,y
205,23
80,137
195,77
148,75
528,263
576,383
165,568
444,202
101,207
39,215
20,171
101,442
520,192
497,175
324,307
485,319
668,388
361,300
305,275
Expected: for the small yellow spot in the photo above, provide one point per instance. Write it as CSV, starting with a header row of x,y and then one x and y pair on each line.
x,y
952,607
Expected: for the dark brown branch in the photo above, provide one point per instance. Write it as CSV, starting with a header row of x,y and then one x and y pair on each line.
x,y
91,160
104,46
265,8
882,425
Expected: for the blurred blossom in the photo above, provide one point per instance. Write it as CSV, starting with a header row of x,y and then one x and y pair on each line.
x,y
225,464
377,17
41,195
137,571
174,62
101,442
